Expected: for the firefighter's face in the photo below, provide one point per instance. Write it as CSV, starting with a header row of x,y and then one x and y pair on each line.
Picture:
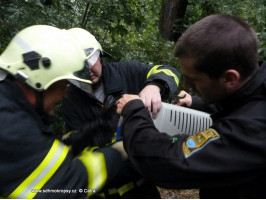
x,y
210,90
96,72
53,95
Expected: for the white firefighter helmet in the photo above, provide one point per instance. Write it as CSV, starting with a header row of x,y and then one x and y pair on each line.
x,y
92,49
41,55
89,44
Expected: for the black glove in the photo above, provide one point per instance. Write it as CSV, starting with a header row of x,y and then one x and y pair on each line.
x,y
98,132
109,116
86,136
109,107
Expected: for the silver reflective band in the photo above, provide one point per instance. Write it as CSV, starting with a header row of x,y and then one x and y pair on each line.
x,y
22,75
23,194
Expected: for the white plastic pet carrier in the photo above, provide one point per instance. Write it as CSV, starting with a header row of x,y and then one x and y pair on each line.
x,y
173,120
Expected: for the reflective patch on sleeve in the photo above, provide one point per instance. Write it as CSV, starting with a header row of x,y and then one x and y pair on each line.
x,y
195,143
96,169
168,72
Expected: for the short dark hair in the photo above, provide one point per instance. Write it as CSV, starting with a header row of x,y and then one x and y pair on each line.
x,y
220,42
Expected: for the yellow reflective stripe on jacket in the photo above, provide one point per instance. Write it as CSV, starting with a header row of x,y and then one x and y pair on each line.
x,y
168,72
96,169
42,173
112,191
125,188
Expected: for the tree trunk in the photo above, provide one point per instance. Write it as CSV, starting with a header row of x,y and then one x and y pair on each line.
x,y
172,14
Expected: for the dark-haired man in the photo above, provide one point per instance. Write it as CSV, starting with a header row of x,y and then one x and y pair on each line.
x,y
219,60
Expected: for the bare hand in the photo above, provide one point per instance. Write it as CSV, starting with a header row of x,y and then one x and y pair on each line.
x,y
151,97
120,103
186,99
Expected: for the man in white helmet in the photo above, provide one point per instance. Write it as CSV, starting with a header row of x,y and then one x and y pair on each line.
x,y
34,70
90,114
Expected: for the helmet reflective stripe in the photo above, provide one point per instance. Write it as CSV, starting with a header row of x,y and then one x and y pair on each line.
x,y
42,173
96,169
168,72
22,44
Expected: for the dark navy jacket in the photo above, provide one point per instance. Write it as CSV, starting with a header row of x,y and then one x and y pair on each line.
x,y
118,78
32,159
226,161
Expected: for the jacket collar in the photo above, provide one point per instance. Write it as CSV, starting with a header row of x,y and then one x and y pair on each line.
x,y
247,90
111,78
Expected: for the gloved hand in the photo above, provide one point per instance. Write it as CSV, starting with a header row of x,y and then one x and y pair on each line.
x,y
89,135
75,142
109,115
109,106
98,132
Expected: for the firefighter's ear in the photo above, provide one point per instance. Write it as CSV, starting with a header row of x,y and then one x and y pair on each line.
x,y
231,79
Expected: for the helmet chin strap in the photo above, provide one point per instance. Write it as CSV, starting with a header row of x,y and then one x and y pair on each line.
x,y
39,102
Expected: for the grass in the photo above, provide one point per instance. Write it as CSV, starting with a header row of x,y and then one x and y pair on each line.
x,y
179,194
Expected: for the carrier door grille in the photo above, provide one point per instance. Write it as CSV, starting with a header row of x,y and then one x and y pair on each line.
x,y
174,120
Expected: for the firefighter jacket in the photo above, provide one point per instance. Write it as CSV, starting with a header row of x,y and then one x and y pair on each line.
x,y
33,164
228,160
81,108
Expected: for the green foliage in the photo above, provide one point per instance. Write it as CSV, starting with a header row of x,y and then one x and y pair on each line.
x,y
127,29
253,12
18,14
